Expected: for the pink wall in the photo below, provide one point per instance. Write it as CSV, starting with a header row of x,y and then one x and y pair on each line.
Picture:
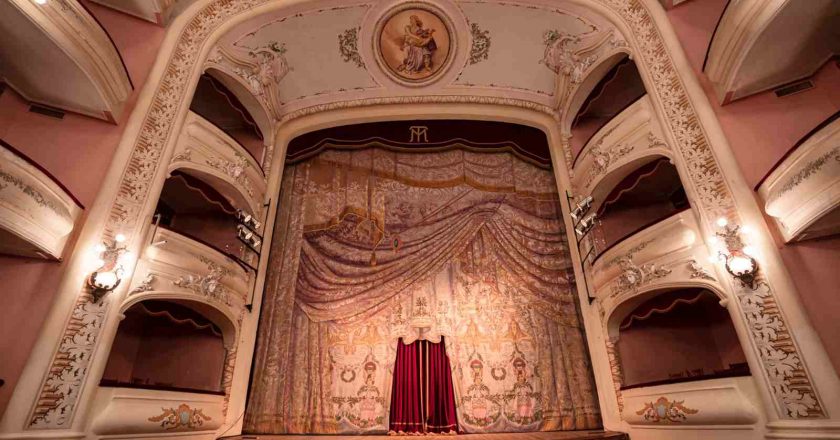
x,y
77,150
760,130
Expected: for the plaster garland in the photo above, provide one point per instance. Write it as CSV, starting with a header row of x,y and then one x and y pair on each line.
x,y
56,405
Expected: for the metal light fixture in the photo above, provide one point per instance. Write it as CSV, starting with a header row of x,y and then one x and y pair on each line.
x,y
249,237
248,220
111,261
581,208
586,224
738,256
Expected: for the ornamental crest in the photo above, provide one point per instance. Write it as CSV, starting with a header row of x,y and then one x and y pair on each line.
x,y
666,411
181,417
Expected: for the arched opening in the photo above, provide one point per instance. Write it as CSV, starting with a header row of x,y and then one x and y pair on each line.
x,y
169,346
215,102
677,336
646,195
193,208
620,87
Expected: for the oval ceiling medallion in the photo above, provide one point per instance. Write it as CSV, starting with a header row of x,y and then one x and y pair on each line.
x,y
414,43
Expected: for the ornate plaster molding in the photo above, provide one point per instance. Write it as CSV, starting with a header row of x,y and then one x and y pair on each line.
x,y
789,379
348,47
204,148
803,193
666,411
480,49
36,214
628,137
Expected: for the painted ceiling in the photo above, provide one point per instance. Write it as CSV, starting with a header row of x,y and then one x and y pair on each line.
x,y
294,58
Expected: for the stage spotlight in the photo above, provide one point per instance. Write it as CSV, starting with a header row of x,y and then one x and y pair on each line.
x,y
248,220
248,237
581,208
586,225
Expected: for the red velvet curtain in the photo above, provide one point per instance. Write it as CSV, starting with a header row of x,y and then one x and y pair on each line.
x,y
441,414
422,396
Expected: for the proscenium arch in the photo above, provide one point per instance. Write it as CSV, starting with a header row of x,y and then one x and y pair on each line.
x,y
137,178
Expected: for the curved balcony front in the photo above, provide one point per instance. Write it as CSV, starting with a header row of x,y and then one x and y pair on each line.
x,y
178,267
209,154
142,413
802,193
669,253
626,142
37,214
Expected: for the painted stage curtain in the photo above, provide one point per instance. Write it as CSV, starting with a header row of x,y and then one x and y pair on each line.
x,y
422,397
457,246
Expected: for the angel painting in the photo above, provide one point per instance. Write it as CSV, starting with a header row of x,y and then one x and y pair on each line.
x,y
414,44
418,45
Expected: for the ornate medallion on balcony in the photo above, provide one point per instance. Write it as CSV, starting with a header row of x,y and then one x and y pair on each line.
x,y
667,253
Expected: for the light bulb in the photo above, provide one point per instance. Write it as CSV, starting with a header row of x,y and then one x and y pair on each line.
x,y
119,238
722,222
740,265
126,258
749,250
99,248
106,280
746,230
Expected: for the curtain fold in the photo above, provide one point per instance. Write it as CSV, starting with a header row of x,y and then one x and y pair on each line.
x,y
407,399
441,414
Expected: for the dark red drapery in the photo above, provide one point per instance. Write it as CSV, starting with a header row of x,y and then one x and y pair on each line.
x,y
422,396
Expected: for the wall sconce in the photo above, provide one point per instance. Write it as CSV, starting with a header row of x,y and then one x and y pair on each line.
x,y
581,208
738,256
111,262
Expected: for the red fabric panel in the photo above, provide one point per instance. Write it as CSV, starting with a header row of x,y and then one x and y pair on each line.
x,y
406,397
441,416
422,397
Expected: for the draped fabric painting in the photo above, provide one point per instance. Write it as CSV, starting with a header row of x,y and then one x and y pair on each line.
x,y
378,244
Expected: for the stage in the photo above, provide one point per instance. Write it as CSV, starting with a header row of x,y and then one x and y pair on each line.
x,y
557,435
